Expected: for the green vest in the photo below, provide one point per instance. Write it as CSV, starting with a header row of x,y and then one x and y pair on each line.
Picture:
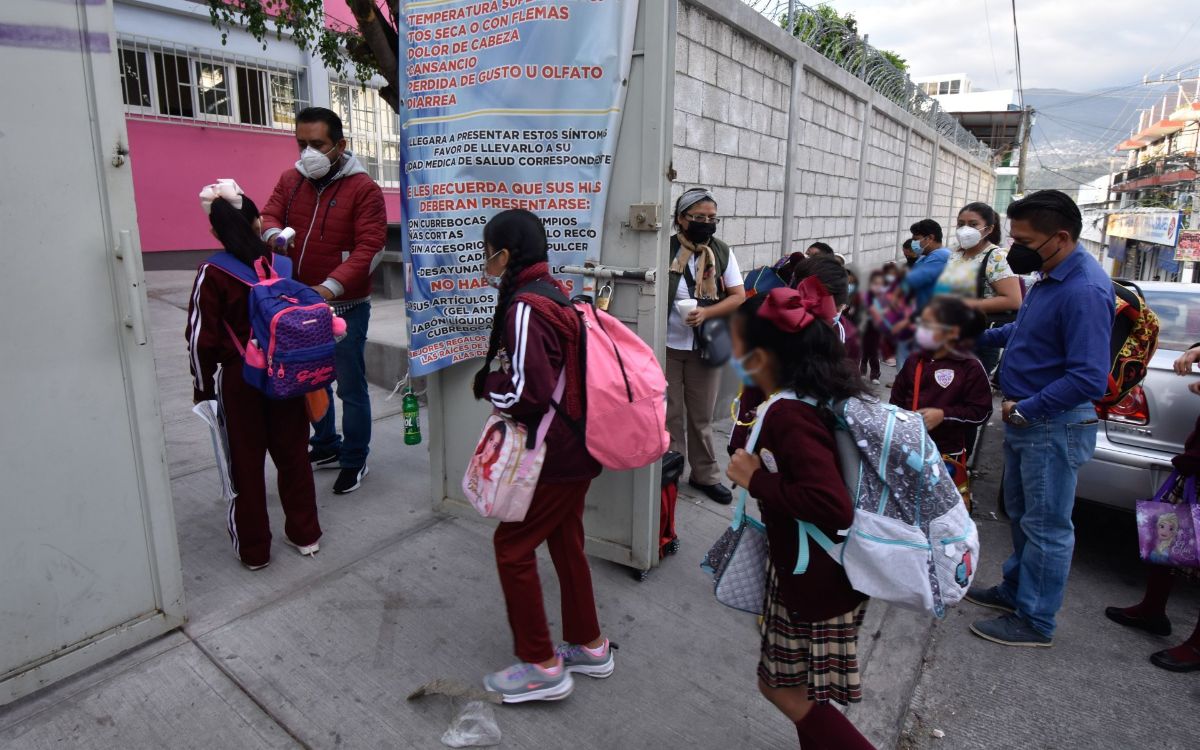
x,y
720,254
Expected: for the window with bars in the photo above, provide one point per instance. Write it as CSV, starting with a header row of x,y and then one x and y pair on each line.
x,y
371,128
160,80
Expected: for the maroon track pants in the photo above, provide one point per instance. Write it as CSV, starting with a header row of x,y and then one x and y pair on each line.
x,y
256,426
555,517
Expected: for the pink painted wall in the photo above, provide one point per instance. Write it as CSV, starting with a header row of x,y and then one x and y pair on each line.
x,y
172,162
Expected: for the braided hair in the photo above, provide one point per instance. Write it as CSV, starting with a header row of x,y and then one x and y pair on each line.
x,y
524,236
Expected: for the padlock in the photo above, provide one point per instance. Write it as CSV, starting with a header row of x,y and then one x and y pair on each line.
x,y
605,297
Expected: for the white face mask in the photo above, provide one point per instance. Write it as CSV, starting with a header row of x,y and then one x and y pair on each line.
x,y
316,164
968,237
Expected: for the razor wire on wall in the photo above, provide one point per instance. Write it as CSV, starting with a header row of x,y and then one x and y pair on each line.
x,y
833,39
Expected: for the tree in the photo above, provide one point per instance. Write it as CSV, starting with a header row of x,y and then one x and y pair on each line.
x,y
373,47
835,36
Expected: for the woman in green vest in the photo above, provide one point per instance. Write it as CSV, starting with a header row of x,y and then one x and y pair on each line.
x,y
705,283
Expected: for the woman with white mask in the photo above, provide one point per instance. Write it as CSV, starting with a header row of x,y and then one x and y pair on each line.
x,y
978,272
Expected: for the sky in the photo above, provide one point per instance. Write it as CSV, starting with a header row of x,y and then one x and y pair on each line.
x,y
1077,45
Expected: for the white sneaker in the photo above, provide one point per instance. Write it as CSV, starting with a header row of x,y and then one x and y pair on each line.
x,y
875,381
308,550
248,566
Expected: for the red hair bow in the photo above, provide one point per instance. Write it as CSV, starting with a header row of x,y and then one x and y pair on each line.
x,y
793,310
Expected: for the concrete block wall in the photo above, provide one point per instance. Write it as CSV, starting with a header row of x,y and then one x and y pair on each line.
x,y
731,105
918,167
856,171
827,164
882,212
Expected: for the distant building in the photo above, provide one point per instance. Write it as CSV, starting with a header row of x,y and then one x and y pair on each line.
x,y
993,117
1153,230
1094,199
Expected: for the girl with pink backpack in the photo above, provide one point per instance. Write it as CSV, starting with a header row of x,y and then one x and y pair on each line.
x,y
537,341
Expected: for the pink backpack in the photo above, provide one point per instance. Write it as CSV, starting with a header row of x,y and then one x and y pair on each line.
x,y
624,389
626,394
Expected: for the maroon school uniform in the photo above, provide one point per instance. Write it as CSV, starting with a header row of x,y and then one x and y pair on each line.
x,y
959,386
851,340
801,480
539,338
255,424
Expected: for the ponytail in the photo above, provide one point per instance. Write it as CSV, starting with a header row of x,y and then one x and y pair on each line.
x,y
234,228
524,236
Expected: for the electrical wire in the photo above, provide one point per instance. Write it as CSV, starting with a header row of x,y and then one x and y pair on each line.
x,y
987,17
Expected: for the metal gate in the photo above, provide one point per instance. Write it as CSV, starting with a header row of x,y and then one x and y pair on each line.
x,y
87,541
622,513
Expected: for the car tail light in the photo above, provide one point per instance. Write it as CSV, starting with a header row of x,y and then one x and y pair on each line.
x,y
1133,409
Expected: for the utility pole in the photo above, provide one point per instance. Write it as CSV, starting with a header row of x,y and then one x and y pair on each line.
x,y
1026,118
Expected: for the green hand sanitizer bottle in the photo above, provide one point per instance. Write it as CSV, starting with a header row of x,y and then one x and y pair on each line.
x,y
412,419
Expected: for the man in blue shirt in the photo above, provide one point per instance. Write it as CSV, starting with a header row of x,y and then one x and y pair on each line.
x,y
1056,363
931,259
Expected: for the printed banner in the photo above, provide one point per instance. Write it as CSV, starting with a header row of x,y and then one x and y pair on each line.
x,y
1160,228
507,104
1189,246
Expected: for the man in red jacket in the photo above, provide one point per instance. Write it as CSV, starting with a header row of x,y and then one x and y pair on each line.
x,y
338,214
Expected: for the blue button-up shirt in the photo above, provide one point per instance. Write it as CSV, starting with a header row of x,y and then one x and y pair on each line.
x,y
1057,353
923,276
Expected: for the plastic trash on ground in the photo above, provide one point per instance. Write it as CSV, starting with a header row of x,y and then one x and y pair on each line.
x,y
475,726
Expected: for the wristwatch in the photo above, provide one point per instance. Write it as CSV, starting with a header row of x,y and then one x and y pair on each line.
x,y
1017,419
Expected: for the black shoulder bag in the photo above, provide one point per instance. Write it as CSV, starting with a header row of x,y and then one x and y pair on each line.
x,y
712,336
994,320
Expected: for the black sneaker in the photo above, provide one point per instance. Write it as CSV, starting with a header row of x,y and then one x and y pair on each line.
x,y
990,598
323,458
349,480
718,493
1010,630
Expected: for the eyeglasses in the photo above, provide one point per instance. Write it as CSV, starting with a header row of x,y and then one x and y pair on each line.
x,y
702,219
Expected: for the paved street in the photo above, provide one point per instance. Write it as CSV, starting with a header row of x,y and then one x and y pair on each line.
x,y
1095,689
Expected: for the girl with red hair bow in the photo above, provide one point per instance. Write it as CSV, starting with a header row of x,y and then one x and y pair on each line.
x,y
785,344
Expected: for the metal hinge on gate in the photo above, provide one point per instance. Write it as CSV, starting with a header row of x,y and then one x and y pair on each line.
x,y
644,217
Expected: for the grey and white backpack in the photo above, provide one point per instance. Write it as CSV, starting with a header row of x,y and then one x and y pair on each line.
x,y
912,542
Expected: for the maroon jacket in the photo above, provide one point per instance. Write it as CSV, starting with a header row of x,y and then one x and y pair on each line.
x,y
807,486
217,298
524,385
852,341
958,386
342,214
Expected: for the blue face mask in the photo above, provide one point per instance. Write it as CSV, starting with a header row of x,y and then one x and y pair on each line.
x,y
739,367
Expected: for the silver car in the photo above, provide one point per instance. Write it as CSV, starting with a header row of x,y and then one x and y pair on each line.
x,y
1141,435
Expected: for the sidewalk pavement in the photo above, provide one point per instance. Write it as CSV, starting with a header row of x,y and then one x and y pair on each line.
x,y
321,652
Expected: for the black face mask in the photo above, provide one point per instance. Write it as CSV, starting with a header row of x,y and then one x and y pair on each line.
x,y
699,233
1024,260
910,260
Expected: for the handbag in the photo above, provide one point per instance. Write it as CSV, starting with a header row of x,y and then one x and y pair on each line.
x,y
713,341
738,559
1168,524
503,472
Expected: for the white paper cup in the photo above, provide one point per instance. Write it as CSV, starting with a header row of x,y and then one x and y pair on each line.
x,y
685,307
